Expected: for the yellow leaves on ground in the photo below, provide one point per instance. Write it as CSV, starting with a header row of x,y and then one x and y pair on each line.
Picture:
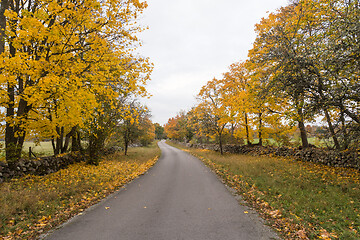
x,y
46,201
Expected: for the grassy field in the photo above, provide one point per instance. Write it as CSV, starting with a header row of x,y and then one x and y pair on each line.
x,y
296,142
300,200
40,149
34,204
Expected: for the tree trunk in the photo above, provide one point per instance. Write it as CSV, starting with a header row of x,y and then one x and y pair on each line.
x,y
59,146
57,142
93,150
344,131
302,129
327,115
126,144
15,115
220,144
126,140
67,140
331,128
53,145
247,130
76,141
4,6
10,140
260,130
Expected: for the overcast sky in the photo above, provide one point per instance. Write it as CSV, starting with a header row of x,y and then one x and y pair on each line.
x,y
192,41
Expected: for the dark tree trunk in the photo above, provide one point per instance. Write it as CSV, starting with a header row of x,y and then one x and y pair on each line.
x,y
10,140
67,140
93,150
76,141
260,130
4,6
302,129
248,142
57,142
220,138
331,128
14,131
61,146
344,131
220,144
53,145
126,141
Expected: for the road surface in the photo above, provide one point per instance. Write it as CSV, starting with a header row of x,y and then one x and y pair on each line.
x,y
178,199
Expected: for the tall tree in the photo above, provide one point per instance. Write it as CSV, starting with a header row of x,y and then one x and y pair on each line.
x,y
56,56
276,46
212,113
135,124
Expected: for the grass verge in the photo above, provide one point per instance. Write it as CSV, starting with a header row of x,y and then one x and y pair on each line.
x,y
300,200
32,205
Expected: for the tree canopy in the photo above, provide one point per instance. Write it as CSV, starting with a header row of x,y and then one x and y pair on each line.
x,y
64,63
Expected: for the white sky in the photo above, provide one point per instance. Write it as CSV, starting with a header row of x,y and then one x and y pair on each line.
x,y
192,41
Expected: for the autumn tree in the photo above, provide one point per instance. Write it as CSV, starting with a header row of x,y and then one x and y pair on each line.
x,y
212,113
55,57
135,124
179,127
276,46
235,91
301,44
159,131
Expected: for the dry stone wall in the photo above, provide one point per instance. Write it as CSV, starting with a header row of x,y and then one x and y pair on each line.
x,y
350,158
45,165
40,166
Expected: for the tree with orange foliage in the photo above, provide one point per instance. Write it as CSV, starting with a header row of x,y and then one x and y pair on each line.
x,y
235,88
212,114
179,128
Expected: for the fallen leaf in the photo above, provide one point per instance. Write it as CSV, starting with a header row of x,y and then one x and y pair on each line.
x,y
301,234
324,234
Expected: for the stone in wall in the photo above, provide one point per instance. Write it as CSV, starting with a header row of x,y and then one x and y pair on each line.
x,y
40,166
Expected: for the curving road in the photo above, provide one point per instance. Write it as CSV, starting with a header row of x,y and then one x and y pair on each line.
x,y
179,198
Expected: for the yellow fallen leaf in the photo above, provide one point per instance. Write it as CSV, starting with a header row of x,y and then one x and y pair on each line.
x,y
246,212
107,208
324,234
301,234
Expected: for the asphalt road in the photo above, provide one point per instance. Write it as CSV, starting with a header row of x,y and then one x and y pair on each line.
x,y
179,198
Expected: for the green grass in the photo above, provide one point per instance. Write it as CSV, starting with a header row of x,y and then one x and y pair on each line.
x,y
321,143
39,149
33,204
298,198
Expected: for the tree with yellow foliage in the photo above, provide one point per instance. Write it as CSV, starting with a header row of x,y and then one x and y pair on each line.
x,y
57,56
135,124
212,113
235,89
